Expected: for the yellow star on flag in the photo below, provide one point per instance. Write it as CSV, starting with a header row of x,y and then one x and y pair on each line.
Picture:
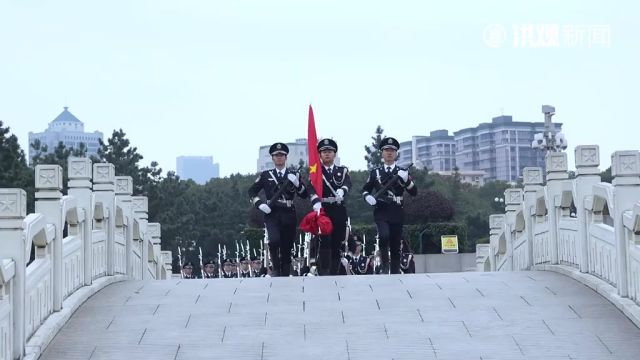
x,y
313,168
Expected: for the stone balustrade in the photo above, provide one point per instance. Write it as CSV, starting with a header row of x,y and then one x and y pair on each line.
x,y
581,223
96,234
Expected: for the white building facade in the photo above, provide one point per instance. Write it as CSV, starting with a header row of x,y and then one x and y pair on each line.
x,y
69,130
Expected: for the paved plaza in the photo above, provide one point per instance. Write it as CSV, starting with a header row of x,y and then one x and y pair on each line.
x,y
497,315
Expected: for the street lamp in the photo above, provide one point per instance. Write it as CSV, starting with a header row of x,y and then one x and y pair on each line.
x,y
499,201
549,140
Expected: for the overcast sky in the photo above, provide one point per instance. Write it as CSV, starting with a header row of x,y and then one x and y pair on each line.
x,y
222,78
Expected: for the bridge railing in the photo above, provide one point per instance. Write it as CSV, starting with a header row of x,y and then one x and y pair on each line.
x,y
98,230
581,223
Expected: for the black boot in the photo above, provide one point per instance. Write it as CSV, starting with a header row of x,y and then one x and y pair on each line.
x,y
324,262
274,255
384,261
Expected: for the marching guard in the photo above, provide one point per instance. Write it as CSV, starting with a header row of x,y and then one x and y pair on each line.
x,y
280,186
384,191
336,183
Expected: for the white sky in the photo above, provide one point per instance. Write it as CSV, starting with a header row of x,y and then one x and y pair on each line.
x,y
221,78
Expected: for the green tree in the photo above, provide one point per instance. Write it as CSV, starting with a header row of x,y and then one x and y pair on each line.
x,y
126,159
374,156
13,162
59,156
606,176
428,207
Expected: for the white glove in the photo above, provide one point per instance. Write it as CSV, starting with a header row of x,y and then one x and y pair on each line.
x,y
340,194
370,199
404,175
317,206
294,179
264,208
345,262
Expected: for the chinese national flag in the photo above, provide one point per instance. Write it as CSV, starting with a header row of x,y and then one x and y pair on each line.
x,y
315,171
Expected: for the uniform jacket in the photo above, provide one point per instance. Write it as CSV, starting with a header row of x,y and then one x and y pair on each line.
x,y
389,205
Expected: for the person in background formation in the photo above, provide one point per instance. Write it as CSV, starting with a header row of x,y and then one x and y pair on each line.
x,y
279,215
388,212
245,269
359,262
187,271
407,264
227,269
209,271
336,183
256,265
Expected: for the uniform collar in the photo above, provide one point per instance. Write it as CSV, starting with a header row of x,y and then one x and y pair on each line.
x,y
392,166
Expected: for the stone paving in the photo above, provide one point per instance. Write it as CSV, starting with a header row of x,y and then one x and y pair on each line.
x,y
499,315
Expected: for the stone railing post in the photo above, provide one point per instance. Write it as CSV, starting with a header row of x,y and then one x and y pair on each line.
x,y
48,196
532,185
167,257
587,174
13,209
140,208
104,192
512,200
80,172
496,224
124,190
557,174
482,257
154,231
625,168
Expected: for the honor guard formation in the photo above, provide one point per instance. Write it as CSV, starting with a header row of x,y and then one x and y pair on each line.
x,y
328,248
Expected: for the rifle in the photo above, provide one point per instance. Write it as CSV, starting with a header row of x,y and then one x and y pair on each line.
x,y
201,267
281,189
307,248
346,236
263,249
238,268
248,256
376,257
389,183
180,262
219,262
364,244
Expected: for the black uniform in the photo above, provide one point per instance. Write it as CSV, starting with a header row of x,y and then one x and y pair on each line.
x,y
359,264
281,223
388,213
209,264
334,178
407,265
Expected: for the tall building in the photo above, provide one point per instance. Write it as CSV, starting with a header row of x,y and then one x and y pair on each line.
x,y
68,129
197,168
436,152
298,154
501,148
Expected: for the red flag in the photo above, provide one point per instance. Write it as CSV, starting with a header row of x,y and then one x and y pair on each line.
x,y
315,171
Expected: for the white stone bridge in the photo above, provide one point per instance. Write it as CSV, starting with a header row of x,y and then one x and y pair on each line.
x,y
93,290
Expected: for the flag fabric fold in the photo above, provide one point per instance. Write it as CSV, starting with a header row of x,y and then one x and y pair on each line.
x,y
315,171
